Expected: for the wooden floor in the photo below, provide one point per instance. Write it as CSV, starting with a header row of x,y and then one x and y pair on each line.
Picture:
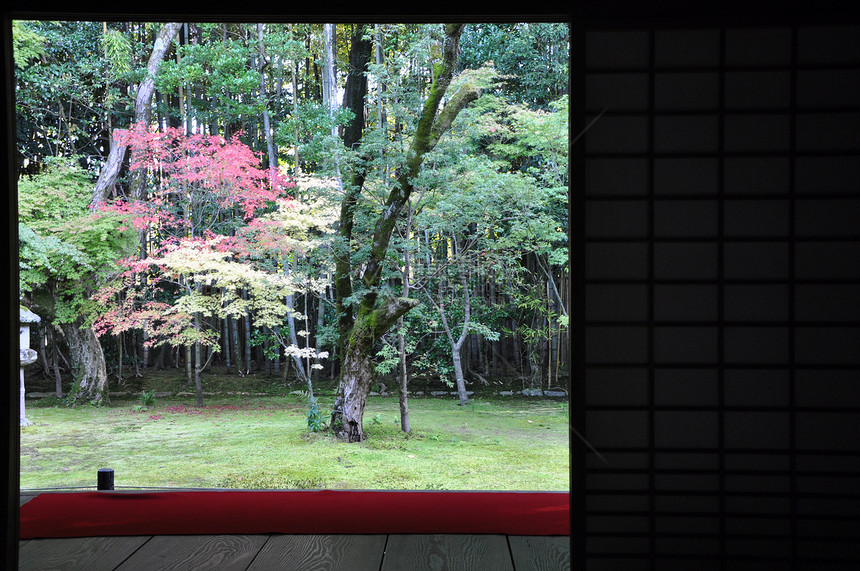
x,y
296,552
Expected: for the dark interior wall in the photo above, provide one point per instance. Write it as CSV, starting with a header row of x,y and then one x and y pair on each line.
x,y
721,375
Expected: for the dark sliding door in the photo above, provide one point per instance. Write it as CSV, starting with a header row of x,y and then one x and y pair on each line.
x,y
722,296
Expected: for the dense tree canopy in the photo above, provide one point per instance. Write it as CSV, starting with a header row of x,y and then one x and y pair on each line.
x,y
363,203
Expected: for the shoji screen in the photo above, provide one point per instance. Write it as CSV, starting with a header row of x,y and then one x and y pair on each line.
x,y
722,287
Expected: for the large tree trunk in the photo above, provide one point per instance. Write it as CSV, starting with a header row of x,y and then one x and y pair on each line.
x,y
356,379
142,112
357,372
88,364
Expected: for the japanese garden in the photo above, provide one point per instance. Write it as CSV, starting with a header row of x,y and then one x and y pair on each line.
x,y
294,255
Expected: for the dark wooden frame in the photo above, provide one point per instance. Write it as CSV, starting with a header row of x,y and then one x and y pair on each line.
x,y
151,11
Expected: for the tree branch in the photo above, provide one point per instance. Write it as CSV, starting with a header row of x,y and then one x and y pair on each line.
x,y
142,111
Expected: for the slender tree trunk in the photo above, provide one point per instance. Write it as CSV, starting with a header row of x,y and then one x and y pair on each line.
x,y
147,351
458,373
189,370
119,365
43,352
329,85
58,380
198,364
226,338
405,425
294,77
237,349
266,347
247,319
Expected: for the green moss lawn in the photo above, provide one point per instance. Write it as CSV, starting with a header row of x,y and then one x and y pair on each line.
x,y
495,443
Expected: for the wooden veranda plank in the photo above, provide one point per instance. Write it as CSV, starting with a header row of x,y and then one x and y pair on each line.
x,y
198,552
90,553
447,551
535,553
301,552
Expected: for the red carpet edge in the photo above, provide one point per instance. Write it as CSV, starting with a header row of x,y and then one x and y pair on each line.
x,y
294,512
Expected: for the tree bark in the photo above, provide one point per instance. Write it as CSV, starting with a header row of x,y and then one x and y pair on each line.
x,y
198,361
357,372
142,112
237,346
405,425
329,85
267,126
247,319
88,364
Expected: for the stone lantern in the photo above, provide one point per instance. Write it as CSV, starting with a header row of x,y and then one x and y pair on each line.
x,y
27,355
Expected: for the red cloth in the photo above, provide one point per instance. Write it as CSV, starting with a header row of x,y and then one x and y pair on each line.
x,y
294,512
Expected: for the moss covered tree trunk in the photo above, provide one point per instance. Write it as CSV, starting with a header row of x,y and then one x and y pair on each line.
x,y
360,328
357,370
88,364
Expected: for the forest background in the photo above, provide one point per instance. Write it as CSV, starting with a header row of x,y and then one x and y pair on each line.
x,y
218,195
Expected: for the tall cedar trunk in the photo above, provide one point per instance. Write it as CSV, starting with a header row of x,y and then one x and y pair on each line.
x,y
55,361
226,338
237,348
405,425
198,383
189,370
267,127
247,319
376,315
142,111
88,364
329,88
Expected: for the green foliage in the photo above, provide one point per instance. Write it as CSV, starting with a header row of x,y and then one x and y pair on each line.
x,y
118,51
533,55
60,192
313,416
147,398
316,145
63,99
65,252
27,44
219,68
42,258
